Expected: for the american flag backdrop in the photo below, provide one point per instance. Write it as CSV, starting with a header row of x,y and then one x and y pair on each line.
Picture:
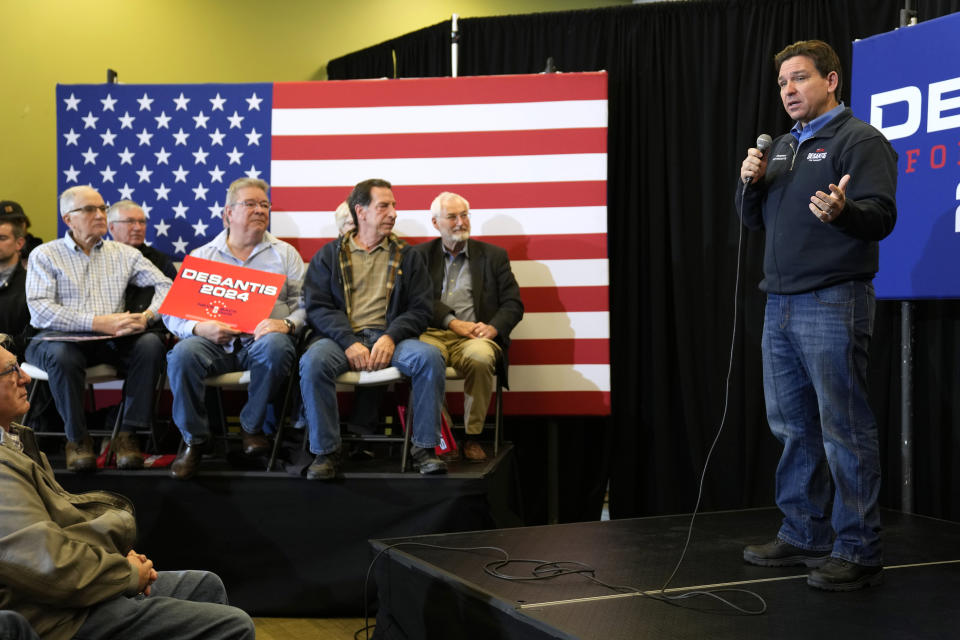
x,y
528,152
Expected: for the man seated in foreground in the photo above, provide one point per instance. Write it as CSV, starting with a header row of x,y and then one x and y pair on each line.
x,y
68,565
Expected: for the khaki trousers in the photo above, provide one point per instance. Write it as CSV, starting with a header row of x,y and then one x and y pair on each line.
x,y
476,360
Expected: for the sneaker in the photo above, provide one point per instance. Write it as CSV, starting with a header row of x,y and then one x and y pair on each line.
x,y
842,575
127,451
782,554
427,461
80,456
325,466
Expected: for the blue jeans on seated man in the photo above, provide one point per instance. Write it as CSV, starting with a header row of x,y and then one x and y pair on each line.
x,y
182,605
324,360
268,359
815,352
138,358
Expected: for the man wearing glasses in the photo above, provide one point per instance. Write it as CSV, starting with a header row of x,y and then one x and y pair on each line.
x,y
76,285
68,565
211,347
127,223
476,304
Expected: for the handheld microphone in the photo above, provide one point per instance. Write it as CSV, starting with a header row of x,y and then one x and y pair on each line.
x,y
764,142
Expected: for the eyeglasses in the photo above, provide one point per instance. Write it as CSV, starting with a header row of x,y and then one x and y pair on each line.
x,y
90,209
253,204
452,217
13,368
134,221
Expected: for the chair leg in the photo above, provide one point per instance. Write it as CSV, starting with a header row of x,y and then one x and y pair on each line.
x,y
117,422
498,419
406,434
281,419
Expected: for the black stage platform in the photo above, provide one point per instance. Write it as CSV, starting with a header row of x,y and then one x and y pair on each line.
x,y
289,547
429,592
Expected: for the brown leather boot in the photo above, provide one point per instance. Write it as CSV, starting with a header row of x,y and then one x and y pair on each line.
x,y
127,451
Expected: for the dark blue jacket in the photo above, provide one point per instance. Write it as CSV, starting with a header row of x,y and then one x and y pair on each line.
x,y
802,253
408,311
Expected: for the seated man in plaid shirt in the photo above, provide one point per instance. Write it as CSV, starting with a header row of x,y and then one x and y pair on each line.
x,y
76,284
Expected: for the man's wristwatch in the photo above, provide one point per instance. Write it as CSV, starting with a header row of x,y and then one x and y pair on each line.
x,y
290,326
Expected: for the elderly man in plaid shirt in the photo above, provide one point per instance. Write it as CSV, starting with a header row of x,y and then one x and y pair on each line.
x,y
76,285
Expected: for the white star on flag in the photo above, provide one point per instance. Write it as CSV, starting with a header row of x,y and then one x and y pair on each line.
x,y
151,158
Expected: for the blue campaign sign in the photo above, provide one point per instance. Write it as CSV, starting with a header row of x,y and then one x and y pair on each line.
x,y
907,84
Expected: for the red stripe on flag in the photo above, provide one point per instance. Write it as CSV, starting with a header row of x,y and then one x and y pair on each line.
x,y
435,91
558,247
556,403
578,351
554,299
588,193
541,403
439,145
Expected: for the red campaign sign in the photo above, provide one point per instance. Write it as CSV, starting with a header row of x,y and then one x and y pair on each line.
x,y
206,290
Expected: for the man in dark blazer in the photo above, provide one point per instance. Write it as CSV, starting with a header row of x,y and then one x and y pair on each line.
x,y
476,306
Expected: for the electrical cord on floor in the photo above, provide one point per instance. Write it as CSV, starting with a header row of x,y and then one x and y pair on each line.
x,y
703,474
548,569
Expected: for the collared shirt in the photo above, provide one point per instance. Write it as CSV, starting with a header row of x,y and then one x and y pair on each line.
x,y
273,255
10,440
66,287
369,303
802,133
6,273
457,290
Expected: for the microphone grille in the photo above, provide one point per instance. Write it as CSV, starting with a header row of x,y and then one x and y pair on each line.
x,y
764,142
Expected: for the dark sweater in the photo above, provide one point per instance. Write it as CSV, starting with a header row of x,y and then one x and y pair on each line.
x,y
802,253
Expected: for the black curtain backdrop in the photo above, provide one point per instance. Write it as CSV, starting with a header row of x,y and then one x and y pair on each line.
x,y
691,85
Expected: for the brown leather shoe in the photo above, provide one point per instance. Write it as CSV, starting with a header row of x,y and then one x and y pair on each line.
x,y
255,444
185,466
80,456
127,451
473,452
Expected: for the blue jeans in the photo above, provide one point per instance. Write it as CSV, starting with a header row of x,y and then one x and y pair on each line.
x,y
324,360
14,626
815,381
268,359
181,605
139,356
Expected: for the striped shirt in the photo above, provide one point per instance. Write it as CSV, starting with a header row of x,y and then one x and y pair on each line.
x,y
273,255
66,288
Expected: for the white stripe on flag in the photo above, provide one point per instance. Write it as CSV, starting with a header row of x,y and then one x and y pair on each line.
x,y
553,326
559,377
571,167
483,222
514,116
561,273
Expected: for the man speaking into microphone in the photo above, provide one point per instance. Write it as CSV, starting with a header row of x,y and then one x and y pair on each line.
x,y
825,194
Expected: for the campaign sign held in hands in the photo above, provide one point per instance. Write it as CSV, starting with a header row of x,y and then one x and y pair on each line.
x,y
205,290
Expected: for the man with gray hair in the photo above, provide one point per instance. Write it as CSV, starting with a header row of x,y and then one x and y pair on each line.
x,y
127,223
476,304
212,347
76,284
